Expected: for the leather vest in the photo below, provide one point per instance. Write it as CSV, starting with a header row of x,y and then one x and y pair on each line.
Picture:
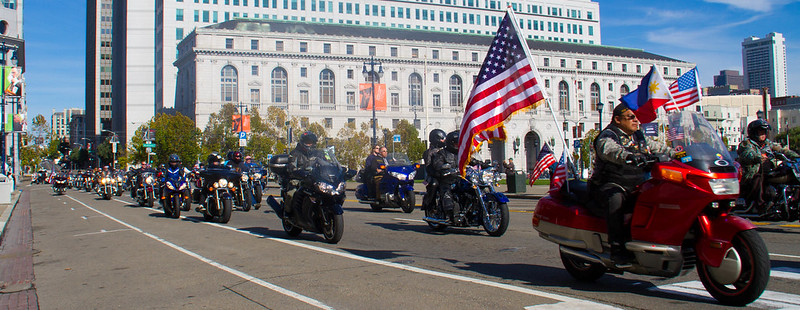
x,y
627,176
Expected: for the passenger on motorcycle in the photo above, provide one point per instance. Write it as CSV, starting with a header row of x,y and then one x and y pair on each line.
x,y
436,138
298,160
623,154
753,156
235,161
372,169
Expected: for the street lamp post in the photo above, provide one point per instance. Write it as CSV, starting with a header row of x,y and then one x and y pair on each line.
x,y
372,74
114,141
600,114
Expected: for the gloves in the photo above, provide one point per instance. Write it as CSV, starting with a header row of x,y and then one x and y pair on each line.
x,y
638,160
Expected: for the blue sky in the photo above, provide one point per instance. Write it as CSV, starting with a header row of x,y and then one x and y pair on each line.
x,y
706,32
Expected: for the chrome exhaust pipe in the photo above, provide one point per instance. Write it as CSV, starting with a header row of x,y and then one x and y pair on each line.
x,y
436,221
581,254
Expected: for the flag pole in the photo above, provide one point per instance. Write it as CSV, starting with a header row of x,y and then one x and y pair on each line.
x,y
513,17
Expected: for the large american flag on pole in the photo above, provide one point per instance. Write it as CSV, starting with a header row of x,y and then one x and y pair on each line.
x,y
498,133
546,159
508,82
685,91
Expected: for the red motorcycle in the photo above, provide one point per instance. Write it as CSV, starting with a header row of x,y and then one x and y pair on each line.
x,y
681,219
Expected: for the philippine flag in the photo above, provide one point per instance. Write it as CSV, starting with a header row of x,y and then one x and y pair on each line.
x,y
653,92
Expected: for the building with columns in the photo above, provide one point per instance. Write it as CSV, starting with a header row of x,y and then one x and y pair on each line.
x,y
313,71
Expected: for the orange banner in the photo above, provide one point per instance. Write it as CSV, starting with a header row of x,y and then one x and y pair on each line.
x,y
241,123
365,96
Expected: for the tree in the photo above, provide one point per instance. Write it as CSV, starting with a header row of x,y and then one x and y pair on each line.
x,y
410,144
587,149
174,134
40,130
794,138
352,146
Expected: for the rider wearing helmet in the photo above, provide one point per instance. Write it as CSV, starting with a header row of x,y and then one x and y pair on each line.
x,y
445,170
754,158
298,159
436,139
235,160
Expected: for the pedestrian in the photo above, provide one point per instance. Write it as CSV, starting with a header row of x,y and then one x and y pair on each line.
x,y
508,167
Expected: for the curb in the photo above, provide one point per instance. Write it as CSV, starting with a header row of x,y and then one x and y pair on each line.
x,y
7,213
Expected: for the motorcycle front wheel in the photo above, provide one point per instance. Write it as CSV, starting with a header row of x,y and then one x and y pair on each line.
x,y
333,228
749,253
248,200
227,208
409,203
175,208
497,223
580,269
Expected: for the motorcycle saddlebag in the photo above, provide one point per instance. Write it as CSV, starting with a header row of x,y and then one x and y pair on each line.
x,y
278,163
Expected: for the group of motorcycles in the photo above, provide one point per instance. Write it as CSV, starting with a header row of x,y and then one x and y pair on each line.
x,y
104,183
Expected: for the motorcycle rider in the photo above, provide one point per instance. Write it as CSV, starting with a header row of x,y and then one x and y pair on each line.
x,y
214,166
623,153
436,138
445,171
298,160
371,165
235,161
753,156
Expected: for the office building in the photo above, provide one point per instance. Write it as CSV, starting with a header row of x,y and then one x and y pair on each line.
x,y
313,71
98,66
764,63
729,77
61,122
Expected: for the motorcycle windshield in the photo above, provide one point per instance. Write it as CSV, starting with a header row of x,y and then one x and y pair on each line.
x,y
697,143
398,159
326,167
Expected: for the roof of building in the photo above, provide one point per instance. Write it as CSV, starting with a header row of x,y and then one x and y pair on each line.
x,y
266,25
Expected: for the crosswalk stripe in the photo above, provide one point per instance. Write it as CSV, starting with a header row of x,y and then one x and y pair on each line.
x,y
786,273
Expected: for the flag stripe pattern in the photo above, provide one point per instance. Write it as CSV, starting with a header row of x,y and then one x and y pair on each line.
x,y
507,82
560,175
675,133
498,133
684,90
545,159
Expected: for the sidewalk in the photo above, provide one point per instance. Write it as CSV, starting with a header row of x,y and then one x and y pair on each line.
x,y
17,289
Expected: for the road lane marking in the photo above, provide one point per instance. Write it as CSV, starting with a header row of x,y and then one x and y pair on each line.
x,y
227,269
786,273
785,255
409,220
695,289
563,301
102,231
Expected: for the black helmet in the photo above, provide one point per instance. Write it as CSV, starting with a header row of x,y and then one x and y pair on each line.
x,y
436,137
236,157
308,139
174,158
755,126
451,141
214,158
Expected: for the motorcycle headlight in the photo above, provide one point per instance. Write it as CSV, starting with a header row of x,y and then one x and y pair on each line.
x,y
399,176
412,175
325,188
724,186
149,180
230,184
244,178
169,185
216,184
487,177
103,181
223,183
111,181
257,175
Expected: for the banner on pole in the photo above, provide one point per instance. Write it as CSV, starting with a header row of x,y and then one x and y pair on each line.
x,y
365,96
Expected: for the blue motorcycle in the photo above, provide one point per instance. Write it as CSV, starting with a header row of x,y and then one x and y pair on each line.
x,y
175,192
396,188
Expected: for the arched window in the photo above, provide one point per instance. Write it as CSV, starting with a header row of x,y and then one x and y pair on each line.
x,y
456,97
229,83
415,90
594,95
327,94
280,86
563,96
624,90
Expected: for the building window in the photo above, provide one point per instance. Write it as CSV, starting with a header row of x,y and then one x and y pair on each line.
x,y
179,15
638,68
229,43
474,57
624,89
394,76
280,86
415,90
678,71
414,53
563,96
594,95
610,66
436,77
279,46
303,47
594,65
395,101
393,51
546,62
624,67
563,63
255,95
328,122
350,49
666,70
455,55
304,100
254,45
254,70
229,83
350,98
456,96
303,72
437,103
372,50
326,48
578,64
327,93
435,54
610,86
350,74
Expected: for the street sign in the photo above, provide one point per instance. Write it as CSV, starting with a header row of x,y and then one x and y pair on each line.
x,y
577,144
396,138
242,135
242,142
149,145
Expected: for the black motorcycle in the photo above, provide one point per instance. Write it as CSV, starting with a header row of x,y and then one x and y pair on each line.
x,y
243,192
781,192
317,203
214,194
145,188
479,204
60,183
257,181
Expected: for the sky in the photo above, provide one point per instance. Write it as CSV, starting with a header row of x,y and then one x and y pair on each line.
x,y
705,32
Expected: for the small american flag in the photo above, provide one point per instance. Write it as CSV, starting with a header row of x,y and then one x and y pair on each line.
x,y
507,82
675,133
685,91
560,175
545,159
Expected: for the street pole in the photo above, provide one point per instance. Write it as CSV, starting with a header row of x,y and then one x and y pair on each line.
x,y
3,108
372,74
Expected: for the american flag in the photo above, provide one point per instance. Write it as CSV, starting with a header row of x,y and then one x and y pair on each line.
x,y
507,82
685,91
560,175
675,133
545,159
498,133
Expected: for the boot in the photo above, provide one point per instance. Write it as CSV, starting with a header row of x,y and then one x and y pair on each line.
x,y
622,257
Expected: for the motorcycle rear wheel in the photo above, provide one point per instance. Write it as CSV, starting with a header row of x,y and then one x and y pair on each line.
x,y
580,269
375,207
497,223
333,228
753,258
410,202
436,227
291,230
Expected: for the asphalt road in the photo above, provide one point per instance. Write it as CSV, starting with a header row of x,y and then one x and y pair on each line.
x,y
97,254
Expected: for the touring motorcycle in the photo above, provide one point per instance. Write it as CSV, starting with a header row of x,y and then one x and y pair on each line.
x,y
396,188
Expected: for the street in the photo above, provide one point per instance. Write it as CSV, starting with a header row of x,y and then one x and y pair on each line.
x,y
92,254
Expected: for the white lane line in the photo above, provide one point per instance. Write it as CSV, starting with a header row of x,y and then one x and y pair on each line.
x,y
409,220
102,231
563,301
768,299
785,272
230,270
784,255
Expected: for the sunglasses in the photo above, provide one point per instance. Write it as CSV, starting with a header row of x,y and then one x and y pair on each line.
x,y
628,117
